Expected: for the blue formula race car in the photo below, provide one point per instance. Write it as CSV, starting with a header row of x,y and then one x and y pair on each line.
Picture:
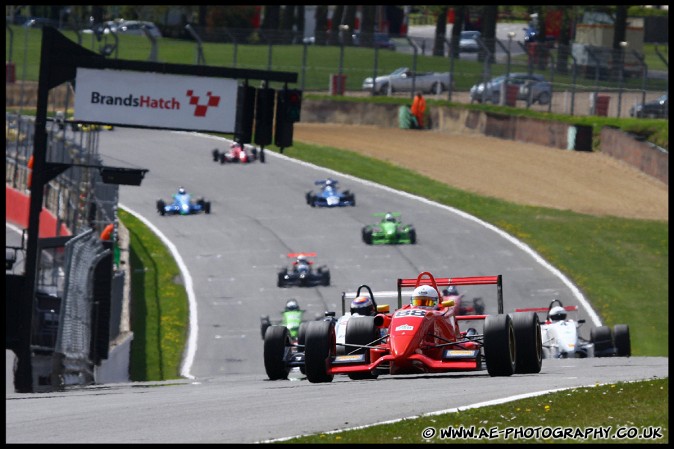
x,y
182,204
330,195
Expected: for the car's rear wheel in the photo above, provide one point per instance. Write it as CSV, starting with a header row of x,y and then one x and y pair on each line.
x,y
529,353
478,305
216,155
361,331
281,280
319,347
325,279
499,345
277,347
413,236
621,338
160,207
383,90
602,339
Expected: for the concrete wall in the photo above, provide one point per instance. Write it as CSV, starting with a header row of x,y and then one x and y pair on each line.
x,y
642,155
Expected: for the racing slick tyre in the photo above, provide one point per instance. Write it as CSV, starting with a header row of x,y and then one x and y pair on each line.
x,y
528,342
478,305
413,236
325,278
367,235
361,331
277,348
264,324
216,155
281,280
499,345
308,197
223,158
602,339
319,346
621,338
301,339
207,207
160,207
262,156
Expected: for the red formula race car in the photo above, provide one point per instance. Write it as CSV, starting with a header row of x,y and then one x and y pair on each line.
x,y
425,337
237,153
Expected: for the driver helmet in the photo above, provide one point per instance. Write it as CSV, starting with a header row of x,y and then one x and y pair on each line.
x,y
292,304
362,305
389,217
302,259
424,295
557,313
451,291
181,190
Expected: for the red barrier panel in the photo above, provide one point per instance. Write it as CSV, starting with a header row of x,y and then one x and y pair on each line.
x,y
17,205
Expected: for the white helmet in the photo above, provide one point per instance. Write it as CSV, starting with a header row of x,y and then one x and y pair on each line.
x,y
557,313
425,295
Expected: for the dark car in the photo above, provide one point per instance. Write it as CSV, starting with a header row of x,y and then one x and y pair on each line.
x,y
380,40
658,108
533,87
301,273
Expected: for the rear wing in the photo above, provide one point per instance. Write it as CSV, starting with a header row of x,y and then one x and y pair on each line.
x,y
301,254
445,282
545,309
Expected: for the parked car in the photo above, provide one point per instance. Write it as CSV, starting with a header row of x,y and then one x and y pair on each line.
x,y
658,108
380,40
135,28
404,80
534,85
468,42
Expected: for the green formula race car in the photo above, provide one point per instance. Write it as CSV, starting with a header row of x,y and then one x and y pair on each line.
x,y
390,230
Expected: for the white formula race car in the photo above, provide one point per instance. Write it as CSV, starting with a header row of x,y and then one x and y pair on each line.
x,y
561,339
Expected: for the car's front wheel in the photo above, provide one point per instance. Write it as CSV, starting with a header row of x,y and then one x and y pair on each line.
x,y
319,347
277,349
499,345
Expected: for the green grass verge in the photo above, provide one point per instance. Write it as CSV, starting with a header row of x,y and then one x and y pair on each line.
x,y
159,307
620,408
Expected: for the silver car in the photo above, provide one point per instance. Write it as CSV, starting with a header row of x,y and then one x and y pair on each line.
x,y
531,87
468,41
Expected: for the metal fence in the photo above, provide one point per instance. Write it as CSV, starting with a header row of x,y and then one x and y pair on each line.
x,y
339,63
64,307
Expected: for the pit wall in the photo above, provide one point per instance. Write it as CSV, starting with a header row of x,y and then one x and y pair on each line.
x,y
645,157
